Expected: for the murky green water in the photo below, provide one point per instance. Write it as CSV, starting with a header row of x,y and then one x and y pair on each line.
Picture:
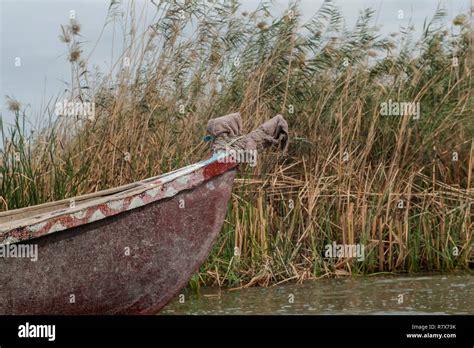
x,y
427,294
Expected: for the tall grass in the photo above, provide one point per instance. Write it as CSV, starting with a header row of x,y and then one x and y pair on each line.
x,y
351,175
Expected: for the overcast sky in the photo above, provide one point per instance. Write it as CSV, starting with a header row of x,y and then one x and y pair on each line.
x,y
29,29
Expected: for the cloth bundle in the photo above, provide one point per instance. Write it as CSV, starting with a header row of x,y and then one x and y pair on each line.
x,y
226,133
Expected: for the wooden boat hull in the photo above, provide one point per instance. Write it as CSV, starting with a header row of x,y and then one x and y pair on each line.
x,y
129,263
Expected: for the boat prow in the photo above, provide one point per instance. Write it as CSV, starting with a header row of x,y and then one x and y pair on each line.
x,y
128,250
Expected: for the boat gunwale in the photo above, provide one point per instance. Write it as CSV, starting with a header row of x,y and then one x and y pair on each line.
x,y
88,196
99,205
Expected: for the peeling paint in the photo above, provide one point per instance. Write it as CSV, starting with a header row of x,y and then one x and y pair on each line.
x,y
168,186
153,192
183,180
80,214
37,227
56,227
115,205
135,203
92,256
170,192
97,215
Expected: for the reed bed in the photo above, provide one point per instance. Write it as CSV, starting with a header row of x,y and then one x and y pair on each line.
x,y
400,186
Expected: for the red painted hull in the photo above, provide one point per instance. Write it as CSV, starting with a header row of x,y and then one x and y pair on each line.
x,y
132,262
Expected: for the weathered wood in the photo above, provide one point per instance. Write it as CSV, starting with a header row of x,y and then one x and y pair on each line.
x,y
131,258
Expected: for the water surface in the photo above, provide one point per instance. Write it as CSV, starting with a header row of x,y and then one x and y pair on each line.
x,y
427,294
